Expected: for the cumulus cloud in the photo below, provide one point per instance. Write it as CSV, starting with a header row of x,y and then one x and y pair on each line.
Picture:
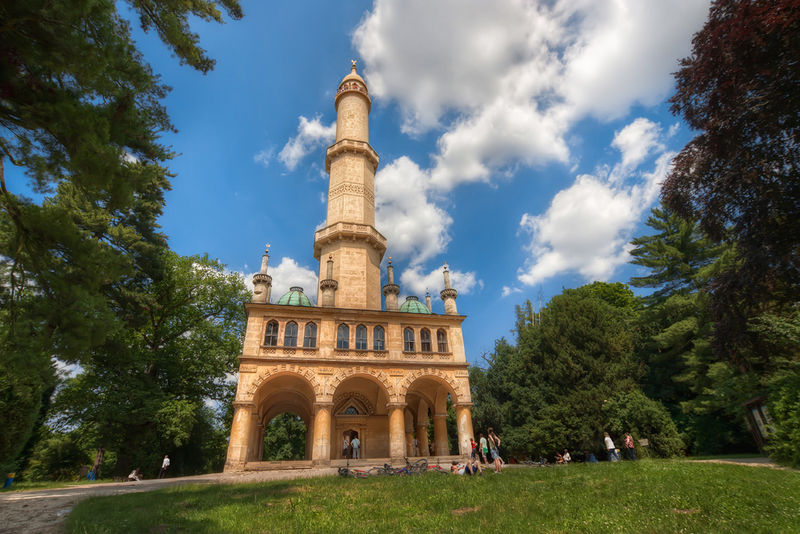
x,y
415,227
264,157
508,290
587,227
311,134
288,273
506,80
636,141
414,281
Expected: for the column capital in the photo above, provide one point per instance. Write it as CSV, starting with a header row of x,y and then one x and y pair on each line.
x,y
464,405
244,404
396,404
319,405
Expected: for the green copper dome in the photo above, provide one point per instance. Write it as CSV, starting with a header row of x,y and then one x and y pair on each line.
x,y
413,305
295,297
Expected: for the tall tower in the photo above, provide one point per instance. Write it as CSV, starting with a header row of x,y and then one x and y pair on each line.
x,y
349,237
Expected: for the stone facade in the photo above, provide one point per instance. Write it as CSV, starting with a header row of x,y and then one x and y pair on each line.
x,y
347,367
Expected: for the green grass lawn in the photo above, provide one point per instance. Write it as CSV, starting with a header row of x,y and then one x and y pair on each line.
x,y
648,496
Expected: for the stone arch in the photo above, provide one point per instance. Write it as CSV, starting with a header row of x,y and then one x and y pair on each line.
x,y
264,374
436,374
373,374
360,400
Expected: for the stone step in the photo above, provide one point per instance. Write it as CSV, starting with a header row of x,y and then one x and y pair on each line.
x,y
269,466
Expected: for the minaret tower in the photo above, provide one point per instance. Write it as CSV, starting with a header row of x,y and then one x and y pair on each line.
x,y
349,237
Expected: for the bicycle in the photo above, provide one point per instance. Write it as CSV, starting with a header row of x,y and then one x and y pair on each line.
x,y
355,473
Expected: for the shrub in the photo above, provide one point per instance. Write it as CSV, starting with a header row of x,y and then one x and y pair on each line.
x,y
645,418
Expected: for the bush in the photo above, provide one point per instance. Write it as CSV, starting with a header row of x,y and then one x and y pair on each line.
x,y
645,418
56,457
784,406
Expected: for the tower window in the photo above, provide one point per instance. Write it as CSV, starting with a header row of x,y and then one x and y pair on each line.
x,y
441,340
343,337
310,336
408,340
290,334
425,340
378,339
271,335
361,337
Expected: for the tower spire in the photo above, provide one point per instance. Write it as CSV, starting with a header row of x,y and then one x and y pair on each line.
x,y
262,282
349,235
448,294
390,290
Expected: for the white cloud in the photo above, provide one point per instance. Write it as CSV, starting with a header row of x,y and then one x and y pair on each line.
x,y
636,141
289,274
311,134
506,80
509,290
587,227
264,157
414,226
414,281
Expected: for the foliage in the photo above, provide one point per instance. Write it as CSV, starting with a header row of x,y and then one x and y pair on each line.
x,y
645,496
80,112
740,89
784,409
142,392
57,456
285,438
645,418
682,370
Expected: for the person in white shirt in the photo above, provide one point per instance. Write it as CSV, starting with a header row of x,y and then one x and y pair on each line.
x,y
164,466
612,450
135,476
567,457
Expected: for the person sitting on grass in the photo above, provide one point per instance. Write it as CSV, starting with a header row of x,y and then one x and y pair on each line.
x,y
469,468
567,457
559,458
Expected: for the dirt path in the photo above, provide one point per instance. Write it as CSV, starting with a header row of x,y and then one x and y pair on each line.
x,y
44,511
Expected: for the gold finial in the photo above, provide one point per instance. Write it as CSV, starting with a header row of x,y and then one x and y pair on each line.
x,y
353,62
390,260
445,266
266,249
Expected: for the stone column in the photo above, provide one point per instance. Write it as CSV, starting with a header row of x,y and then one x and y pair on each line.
x,y
440,445
255,432
309,441
322,433
240,436
409,442
260,443
397,430
464,426
422,436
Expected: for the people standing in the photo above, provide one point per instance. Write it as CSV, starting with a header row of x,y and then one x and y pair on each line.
x,y
164,466
346,446
415,444
612,450
494,450
484,448
629,448
356,443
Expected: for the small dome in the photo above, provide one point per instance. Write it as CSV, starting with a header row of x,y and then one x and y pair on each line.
x,y
413,305
295,297
353,75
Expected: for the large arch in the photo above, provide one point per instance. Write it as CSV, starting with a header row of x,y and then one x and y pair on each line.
x,y
360,404
373,374
427,392
277,391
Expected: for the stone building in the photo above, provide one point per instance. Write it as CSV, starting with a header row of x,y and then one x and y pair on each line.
x,y
347,367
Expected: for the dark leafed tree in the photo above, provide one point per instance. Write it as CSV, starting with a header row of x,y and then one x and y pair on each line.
x,y
739,177
80,113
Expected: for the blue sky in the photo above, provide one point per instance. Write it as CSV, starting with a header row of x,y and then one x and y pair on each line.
x,y
520,142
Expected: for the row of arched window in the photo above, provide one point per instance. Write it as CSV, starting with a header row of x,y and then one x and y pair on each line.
x,y
290,335
426,345
343,337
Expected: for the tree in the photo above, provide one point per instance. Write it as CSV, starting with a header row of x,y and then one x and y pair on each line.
x,y
740,176
142,392
682,371
80,112
285,438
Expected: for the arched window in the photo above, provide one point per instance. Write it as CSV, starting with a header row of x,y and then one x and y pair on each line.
x,y
290,334
310,336
441,340
351,410
408,340
271,335
361,337
425,340
343,337
378,342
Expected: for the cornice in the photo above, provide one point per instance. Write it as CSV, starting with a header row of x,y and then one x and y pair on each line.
x,y
312,312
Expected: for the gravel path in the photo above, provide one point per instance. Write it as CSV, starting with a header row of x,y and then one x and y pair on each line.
x,y
44,511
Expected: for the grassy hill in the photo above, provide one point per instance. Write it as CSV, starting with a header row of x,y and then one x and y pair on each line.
x,y
648,496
